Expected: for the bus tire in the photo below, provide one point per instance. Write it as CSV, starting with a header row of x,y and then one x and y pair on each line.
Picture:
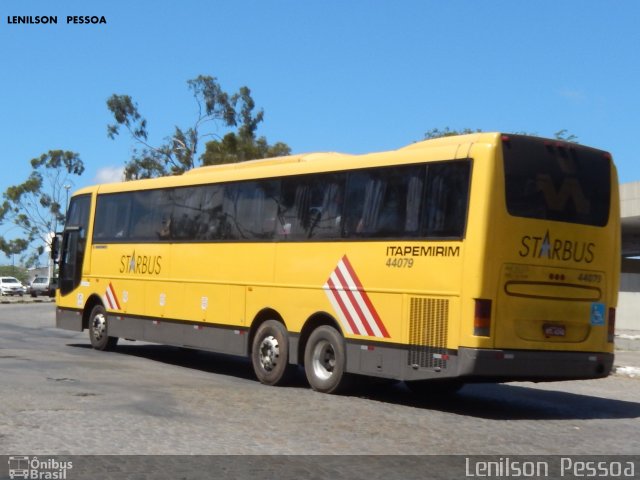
x,y
325,361
98,333
270,353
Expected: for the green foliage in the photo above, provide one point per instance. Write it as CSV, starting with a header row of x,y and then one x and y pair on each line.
x,y
566,136
179,152
13,271
235,148
563,134
447,132
37,206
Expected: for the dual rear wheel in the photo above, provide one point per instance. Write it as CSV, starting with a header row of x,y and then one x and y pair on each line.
x,y
324,357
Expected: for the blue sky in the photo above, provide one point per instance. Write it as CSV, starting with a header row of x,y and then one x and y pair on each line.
x,y
353,76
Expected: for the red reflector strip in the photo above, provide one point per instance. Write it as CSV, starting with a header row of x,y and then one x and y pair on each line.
x,y
111,299
441,356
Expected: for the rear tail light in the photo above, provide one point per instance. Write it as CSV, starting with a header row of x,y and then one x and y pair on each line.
x,y
611,325
482,318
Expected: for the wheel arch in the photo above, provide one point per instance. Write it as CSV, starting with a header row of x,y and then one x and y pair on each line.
x,y
92,301
262,316
314,321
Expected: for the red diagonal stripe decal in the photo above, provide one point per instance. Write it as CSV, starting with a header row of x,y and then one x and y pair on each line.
x,y
351,302
365,297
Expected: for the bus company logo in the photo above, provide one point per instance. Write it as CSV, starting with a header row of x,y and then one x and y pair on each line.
x,y
556,249
35,468
141,264
351,302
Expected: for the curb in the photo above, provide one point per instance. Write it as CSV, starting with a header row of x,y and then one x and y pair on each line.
x,y
628,342
6,301
631,372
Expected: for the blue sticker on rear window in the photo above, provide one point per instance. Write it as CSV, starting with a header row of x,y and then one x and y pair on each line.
x,y
597,314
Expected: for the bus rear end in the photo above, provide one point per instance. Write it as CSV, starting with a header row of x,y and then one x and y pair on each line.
x,y
544,307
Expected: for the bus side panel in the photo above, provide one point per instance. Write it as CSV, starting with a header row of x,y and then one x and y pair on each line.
x,y
216,277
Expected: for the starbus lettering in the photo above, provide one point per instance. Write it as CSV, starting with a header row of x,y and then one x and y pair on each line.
x,y
423,251
141,264
556,249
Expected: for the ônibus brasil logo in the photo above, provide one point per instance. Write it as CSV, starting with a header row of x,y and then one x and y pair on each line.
x,y
35,468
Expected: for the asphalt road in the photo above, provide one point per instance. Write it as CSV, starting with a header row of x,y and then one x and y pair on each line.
x,y
61,397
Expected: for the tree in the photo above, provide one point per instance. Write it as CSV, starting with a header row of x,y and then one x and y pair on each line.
x,y
38,205
12,271
566,136
179,152
243,145
563,134
447,132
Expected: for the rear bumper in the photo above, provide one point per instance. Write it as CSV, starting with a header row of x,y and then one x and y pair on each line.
x,y
503,365
474,364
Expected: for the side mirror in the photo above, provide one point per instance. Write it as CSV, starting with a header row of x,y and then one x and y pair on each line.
x,y
56,241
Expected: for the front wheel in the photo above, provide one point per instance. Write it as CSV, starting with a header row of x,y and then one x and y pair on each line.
x,y
270,353
98,330
325,361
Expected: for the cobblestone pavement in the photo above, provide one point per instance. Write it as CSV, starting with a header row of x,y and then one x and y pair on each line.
x,y
60,397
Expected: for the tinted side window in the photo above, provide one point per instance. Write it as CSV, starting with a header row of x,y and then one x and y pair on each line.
x,y
311,206
196,213
151,215
250,210
447,198
384,202
133,216
411,201
112,217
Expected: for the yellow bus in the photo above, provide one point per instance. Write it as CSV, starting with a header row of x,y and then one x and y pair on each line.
x,y
482,257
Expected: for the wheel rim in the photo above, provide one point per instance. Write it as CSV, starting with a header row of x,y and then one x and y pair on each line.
x,y
269,353
323,360
99,327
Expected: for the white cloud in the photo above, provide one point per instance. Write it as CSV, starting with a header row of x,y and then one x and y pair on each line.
x,y
573,95
110,175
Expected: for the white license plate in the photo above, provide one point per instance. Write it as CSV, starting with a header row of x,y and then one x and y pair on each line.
x,y
554,331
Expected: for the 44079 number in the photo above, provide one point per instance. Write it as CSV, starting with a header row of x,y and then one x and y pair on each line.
x,y
399,262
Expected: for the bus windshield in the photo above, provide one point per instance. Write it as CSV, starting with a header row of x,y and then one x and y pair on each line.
x,y
559,181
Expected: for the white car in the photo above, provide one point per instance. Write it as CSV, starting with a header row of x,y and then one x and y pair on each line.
x,y
11,286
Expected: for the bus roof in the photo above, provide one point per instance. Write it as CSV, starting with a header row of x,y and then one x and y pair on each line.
x,y
438,148
263,162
